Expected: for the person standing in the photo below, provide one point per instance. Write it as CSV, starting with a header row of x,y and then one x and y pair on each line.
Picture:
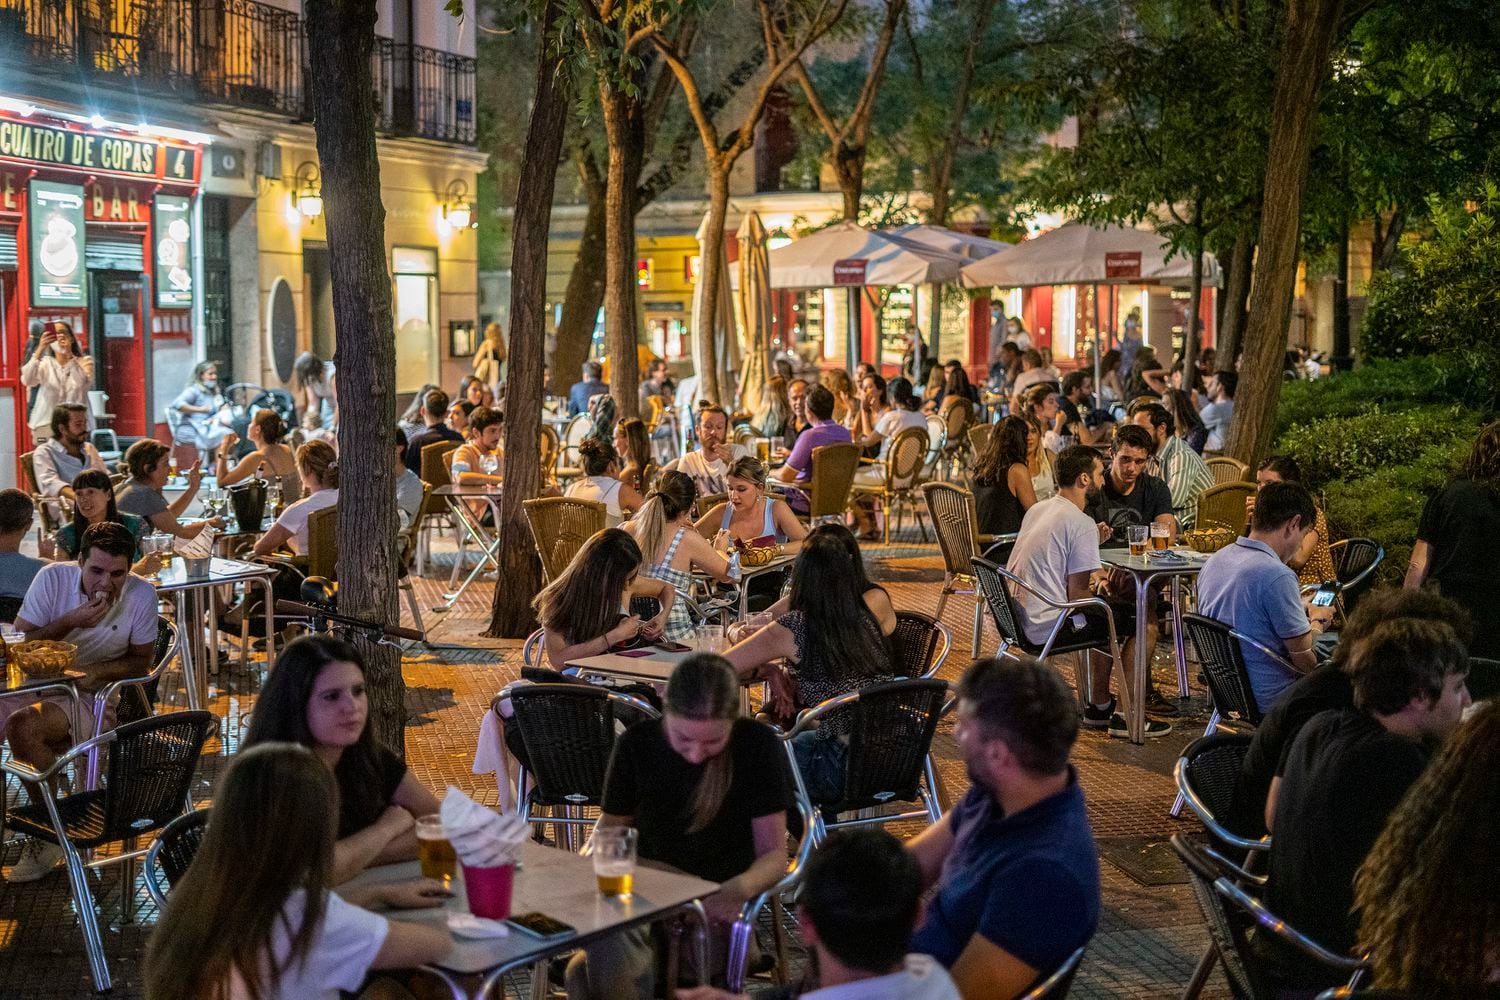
x,y
489,360
59,374
198,407
1455,541
1219,409
315,388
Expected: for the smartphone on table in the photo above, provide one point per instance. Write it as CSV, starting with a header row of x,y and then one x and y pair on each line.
x,y
539,925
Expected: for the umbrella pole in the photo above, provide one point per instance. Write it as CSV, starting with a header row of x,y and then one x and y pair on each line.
x,y
852,328
1098,354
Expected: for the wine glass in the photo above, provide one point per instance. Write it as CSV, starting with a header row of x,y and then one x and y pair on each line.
x,y
490,464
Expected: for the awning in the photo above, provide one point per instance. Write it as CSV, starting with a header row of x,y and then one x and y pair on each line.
x,y
1083,255
850,255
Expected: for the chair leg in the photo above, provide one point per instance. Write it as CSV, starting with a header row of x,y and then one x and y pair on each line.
x,y
778,934
88,919
943,597
739,955
885,516
978,625
1200,975
411,605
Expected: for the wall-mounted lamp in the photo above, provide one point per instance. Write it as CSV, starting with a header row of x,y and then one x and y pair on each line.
x,y
457,211
308,183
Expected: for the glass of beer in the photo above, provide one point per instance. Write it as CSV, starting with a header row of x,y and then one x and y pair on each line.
x,y
763,451
614,859
434,851
1137,534
1159,537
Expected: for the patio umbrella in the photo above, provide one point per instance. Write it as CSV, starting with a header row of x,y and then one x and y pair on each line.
x,y
1076,254
726,357
754,302
949,240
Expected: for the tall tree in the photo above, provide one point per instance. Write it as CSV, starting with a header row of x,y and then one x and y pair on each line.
x,y
848,142
341,37
787,27
1309,30
518,577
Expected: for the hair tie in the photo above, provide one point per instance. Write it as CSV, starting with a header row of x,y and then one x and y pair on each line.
x,y
333,466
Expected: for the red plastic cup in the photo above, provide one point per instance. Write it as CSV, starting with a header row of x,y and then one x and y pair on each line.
x,y
489,890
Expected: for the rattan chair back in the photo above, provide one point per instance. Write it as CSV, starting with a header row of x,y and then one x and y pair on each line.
x,y
574,433
323,543
1004,610
914,644
1225,503
954,518
1210,768
958,416
569,733
833,467
1223,663
890,734
551,447
559,527
904,459
1227,470
173,851
49,509
437,458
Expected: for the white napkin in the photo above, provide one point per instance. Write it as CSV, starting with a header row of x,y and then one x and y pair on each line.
x,y
466,925
481,837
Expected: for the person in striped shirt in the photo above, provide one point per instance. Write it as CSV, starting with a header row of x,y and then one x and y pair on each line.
x,y
1183,469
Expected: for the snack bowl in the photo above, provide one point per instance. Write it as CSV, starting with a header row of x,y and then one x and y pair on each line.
x,y
1210,538
41,659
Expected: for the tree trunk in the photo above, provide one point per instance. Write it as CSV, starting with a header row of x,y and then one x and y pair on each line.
x,y
519,576
1307,38
1387,241
1190,335
585,294
942,173
849,168
710,274
619,250
341,36
1236,294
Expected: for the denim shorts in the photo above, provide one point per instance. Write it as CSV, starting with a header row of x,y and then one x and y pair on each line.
x,y
820,761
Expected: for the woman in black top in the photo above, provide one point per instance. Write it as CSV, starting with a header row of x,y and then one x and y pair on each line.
x,y
826,653
315,696
706,790
1003,491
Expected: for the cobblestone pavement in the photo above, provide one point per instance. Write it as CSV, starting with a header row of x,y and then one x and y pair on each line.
x,y
1149,939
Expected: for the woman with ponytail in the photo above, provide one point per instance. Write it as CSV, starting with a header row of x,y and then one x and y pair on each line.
x,y
707,791
270,459
672,549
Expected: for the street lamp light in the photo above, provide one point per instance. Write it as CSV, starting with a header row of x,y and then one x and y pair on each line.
x,y
457,211
308,182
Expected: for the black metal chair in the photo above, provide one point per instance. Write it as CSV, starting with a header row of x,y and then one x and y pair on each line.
x,y
1057,985
1355,561
1345,993
171,853
744,926
148,774
920,644
9,608
1484,678
568,731
1231,912
138,694
891,727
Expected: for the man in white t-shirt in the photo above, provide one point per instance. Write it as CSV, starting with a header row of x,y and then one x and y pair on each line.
x,y
1057,555
110,615
709,464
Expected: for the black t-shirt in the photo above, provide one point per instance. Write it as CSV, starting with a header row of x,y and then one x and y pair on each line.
x,y
366,787
432,435
1460,524
1150,499
1326,688
651,782
996,509
1344,776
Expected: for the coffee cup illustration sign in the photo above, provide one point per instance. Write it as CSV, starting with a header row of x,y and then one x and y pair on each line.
x,y
57,239
174,251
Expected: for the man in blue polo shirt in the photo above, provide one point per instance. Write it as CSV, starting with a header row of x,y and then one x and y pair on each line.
x,y
1015,864
1249,587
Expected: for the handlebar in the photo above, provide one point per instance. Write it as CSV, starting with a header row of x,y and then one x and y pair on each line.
x,y
297,609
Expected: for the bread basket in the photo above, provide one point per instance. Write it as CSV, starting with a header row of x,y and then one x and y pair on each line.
x,y
1211,537
42,659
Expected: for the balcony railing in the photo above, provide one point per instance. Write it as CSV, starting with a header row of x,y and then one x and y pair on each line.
x,y
233,52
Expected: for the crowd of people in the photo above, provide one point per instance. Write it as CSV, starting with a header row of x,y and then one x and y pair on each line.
x,y
1370,763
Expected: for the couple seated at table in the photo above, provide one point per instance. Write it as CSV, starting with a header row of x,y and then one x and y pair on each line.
x,y
110,615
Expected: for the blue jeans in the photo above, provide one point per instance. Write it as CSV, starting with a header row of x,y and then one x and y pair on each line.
x,y
820,761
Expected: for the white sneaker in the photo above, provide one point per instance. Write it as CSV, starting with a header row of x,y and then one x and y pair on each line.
x,y
38,858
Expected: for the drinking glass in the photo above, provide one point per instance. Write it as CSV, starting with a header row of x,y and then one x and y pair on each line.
x,y
1137,534
1159,537
433,850
171,468
614,859
157,543
710,638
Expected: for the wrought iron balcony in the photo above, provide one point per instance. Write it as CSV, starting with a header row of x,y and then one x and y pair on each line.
x,y
231,52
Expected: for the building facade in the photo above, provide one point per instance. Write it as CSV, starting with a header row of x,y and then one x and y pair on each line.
x,y
160,191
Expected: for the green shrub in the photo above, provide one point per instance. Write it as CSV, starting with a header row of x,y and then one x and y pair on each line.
x,y
1346,448
1392,384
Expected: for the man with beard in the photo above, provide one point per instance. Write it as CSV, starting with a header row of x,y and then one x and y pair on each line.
x,y
1014,862
1057,555
57,462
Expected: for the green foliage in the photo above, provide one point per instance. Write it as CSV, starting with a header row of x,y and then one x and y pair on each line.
x,y
1446,299
1392,384
1355,446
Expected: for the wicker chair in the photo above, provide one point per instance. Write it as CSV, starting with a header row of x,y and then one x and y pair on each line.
x,y
833,468
559,527
138,694
406,540
979,438
902,467
937,440
958,416
172,852
953,519
1231,912
436,458
50,510
148,776
1355,561
1225,504
920,644
577,429
551,446
569,733
1228,470
890,752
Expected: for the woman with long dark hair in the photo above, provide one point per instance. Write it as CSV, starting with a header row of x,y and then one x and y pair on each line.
x,y
59,374
583,610
672,549
833,632
271,458
254,917
707,791
315,696
1003,490
1426,893
94,502
1039,408
632,443
1185,420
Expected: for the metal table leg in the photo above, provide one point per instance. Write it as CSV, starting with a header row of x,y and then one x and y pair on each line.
x,y
1179,642
1136,709
488,550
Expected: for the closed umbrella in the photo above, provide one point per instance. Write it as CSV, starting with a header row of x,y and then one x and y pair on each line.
x,y
754,302
726,350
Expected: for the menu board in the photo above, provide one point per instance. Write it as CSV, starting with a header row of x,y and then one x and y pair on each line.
x,y
57,272
172,228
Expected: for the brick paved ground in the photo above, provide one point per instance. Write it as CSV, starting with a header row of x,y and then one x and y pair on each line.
x,y
1149,939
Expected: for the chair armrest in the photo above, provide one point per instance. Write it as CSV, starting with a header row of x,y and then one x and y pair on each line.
x,y
793,872
1206,816
24,771
808,717
1278,657
1275,925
